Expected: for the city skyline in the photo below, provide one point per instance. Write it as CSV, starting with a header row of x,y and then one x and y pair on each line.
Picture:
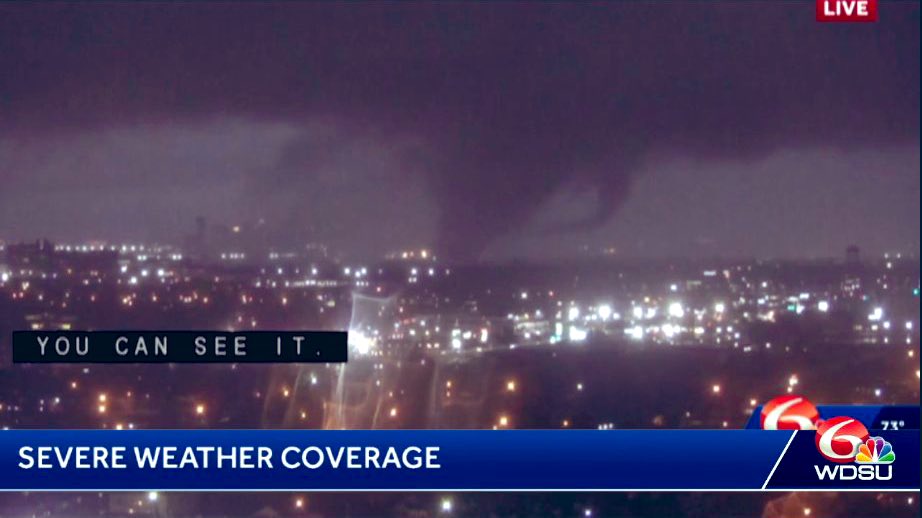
x,y
694,344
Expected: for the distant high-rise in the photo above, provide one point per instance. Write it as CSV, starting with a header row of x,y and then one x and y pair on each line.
x,y
853,255
195,243
43,257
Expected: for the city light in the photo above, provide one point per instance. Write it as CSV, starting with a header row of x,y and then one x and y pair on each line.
x,y
572,313
578,334
604,311
362,343
676,310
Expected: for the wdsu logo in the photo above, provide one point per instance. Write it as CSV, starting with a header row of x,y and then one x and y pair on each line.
x,y
843,441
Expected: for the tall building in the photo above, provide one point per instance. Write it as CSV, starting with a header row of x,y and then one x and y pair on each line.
x,y
853,255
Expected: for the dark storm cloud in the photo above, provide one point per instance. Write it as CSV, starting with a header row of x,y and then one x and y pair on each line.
x,y
506,104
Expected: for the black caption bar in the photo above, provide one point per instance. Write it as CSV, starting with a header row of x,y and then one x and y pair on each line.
x,y
179,347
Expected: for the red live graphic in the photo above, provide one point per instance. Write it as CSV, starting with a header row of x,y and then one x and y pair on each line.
x,y
846,10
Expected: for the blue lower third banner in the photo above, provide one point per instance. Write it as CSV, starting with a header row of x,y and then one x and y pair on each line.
x,y
455,460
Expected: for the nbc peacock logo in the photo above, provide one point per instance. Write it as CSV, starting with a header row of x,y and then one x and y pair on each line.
x,y
843,440
875,451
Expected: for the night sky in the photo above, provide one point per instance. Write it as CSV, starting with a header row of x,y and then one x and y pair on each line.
x,y
487,131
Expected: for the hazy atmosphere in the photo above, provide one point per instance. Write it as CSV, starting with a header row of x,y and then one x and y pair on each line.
x,y
657,129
